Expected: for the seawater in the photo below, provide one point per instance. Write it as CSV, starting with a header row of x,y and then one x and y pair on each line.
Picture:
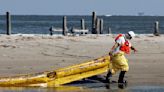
x,y
40,24
113,88
91,85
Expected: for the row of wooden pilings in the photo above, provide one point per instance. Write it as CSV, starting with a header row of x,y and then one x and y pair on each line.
x,y
97,25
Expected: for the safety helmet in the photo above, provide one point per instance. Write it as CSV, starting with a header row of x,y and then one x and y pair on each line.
x,y
132,34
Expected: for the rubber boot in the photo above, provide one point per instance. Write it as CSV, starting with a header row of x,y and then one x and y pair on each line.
x,y
121,77
109,75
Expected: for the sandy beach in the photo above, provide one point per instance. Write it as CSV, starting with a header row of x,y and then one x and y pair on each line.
x,y
24,54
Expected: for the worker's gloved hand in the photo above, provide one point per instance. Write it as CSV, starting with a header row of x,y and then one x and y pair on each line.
x,y
110,53
135,50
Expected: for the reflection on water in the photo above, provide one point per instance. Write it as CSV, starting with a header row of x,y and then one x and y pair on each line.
x,y
89,85
120,86
93,88
39,89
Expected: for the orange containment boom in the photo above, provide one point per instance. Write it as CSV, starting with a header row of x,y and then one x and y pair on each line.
x,y
60,76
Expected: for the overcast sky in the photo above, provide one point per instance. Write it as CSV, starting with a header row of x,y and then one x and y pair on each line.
x,y
82,7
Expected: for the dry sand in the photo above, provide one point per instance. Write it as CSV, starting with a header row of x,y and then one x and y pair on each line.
x,y
22,54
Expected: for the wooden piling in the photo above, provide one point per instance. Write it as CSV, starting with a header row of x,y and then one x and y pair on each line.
x,y
8,23
93,23
82,24
109,31
64,25
51,30
101,26
98,26
156,28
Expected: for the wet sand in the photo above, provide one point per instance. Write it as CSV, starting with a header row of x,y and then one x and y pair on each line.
x,y
23,54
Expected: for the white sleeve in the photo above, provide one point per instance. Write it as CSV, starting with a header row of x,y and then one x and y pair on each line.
x,y
120,40
130,45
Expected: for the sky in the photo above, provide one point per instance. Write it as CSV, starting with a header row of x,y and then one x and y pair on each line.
x,y
82,7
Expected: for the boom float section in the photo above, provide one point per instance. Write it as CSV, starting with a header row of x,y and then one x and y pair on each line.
x,y
60,76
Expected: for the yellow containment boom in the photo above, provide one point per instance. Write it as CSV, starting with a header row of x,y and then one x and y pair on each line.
x,y
60,76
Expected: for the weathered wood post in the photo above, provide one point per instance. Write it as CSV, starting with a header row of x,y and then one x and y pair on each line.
x,y
51,30
101,26
156,28
98,26
8,23
82,24
93,23
64,25
109,31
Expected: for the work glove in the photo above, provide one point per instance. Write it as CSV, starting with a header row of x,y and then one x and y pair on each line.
x,y
134,49
110,53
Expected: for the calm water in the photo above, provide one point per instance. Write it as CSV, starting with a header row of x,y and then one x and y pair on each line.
x,y
94,87
91,85
30,24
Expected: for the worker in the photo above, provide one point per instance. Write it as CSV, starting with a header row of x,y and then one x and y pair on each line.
x,y
118,61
